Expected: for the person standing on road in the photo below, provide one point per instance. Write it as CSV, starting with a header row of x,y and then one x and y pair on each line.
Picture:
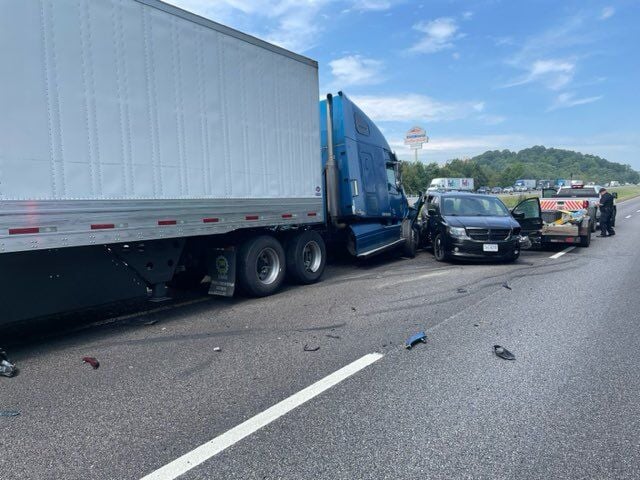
x,y
606,211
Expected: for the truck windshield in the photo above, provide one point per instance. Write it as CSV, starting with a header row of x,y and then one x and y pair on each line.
x,y
474,207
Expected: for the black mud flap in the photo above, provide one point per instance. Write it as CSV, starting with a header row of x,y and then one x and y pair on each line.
x,y
221,267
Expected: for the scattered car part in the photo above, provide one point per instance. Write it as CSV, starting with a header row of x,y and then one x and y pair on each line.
x,y
91,361
418,337
7,369
503,353
9,413
307,348
506,285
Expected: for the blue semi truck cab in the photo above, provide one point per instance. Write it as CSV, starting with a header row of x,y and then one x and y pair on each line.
x,y
366,203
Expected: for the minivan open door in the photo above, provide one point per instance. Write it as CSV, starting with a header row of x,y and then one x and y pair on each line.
x,y
529,215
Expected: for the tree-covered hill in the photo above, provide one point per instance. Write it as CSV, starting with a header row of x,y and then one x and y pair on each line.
x,y
503,167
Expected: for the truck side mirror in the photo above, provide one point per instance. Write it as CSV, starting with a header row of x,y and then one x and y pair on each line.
x,y
615,194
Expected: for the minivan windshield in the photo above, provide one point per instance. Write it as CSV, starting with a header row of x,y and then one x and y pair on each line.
x,y
471,206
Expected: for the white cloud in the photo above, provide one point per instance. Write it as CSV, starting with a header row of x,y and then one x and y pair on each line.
x,y
568,100
375,5
439,35
489,119
468,15
292,24
356,70
607,12
554,73
414,108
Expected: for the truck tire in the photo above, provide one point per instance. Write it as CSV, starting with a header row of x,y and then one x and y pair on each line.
x,y
593,224
306,257
410,236
439,251
261,266
585,240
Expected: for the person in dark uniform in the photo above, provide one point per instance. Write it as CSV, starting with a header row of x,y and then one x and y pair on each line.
x,y
606,212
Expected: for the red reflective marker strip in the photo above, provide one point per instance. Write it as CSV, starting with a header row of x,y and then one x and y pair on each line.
x,y
311,214
167,222
287,215
24,231
211,220
252,217
102,226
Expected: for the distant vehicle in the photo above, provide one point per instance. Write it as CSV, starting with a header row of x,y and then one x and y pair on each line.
x,y
496,190
577,184
560,182
574,199
520,188
614,183
483,190
464,184
460,224
507,190
544,184
528,183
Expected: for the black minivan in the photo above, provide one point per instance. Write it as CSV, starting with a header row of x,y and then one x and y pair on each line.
x,y
469,225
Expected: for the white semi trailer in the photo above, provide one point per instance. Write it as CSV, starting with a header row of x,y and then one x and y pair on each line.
x,y
141,144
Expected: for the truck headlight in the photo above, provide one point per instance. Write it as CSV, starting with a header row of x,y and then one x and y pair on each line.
x,y
457,232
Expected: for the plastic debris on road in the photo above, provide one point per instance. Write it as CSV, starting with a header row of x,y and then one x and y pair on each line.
x,y
7,369
91,361
503,353
418,337
307,348
217,349
506,285
462,290
332,336
9,413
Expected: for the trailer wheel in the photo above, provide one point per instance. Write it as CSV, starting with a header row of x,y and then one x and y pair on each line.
x,y
585,240
306,257
439,251
261,266
593,225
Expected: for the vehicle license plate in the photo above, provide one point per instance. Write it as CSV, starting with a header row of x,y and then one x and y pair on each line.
x,y
490,247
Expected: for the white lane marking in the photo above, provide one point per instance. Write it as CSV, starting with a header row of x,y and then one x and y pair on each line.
x,y
207,450
628,216
637,211
559,254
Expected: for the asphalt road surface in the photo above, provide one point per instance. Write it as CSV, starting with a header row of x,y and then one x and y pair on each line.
x,y
163,403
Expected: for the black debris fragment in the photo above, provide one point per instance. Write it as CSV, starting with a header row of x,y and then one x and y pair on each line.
x,y
91,361
353,309
151,322
7,369
506,285
462,290
9,413
503,353
476,324
307,348
418,337
333,336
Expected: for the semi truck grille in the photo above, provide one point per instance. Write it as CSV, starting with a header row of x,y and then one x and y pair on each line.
x,y
484,234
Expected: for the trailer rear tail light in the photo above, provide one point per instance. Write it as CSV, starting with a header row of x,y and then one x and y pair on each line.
x,y
102,226
24,231
287,215
252,217
210,220
167,222
311,214
585,204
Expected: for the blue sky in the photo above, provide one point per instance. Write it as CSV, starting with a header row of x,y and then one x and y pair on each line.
x,y
476,75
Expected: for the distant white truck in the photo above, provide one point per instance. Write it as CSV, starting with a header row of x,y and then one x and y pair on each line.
x,y
465,184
